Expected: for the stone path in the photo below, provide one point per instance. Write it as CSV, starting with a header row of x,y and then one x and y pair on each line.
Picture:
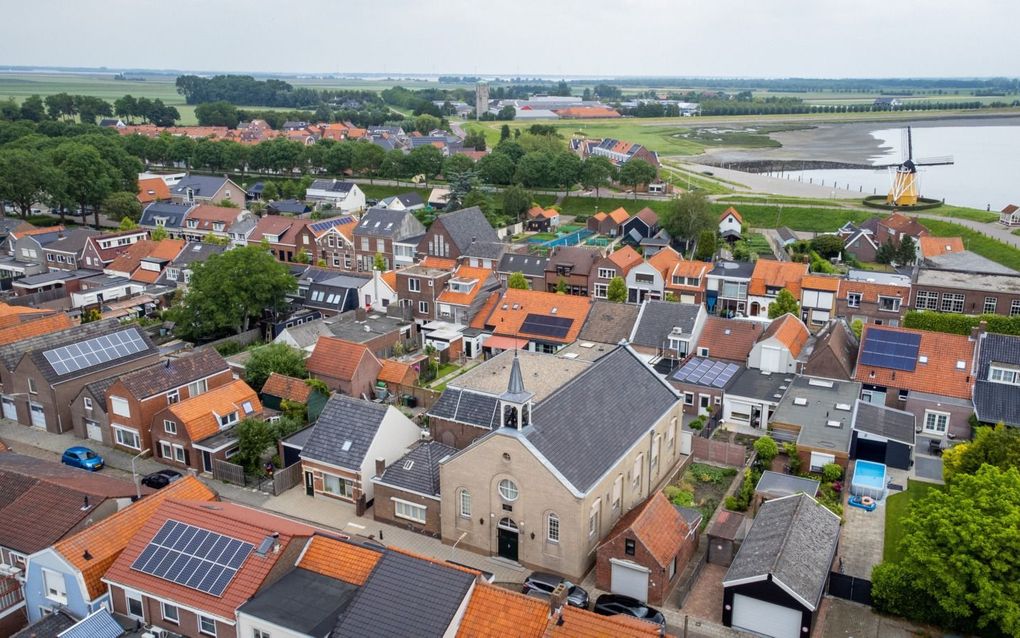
x,y
862,540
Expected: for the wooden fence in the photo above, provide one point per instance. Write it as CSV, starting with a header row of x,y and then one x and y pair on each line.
x,y
426,398
286,478
228,472
721,452
243,339
690,574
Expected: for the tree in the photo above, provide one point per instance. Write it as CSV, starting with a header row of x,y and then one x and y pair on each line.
x,y
158,234
561,286
220,113
998,446
227,203
458,163
229,290
25,177
426,123
507,113
858,327
254,437
367,158
566,169
89,178
33,108
496,168
275,357
637,172
688,216
767,449
516,201
91,314
886,253
907,251
379,262
785,303
596,172
475,140
425,160
518,281
122,206
828,246
957,563
126,223
535,169
616,291
706,245
504,132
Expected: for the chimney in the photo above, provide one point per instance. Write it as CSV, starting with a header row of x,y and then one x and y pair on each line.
x,y
85,505
557,598
380,466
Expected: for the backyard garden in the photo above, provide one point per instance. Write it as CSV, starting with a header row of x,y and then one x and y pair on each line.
x,y
702,486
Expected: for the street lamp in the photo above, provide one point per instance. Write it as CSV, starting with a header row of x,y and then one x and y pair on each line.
x,y
134,475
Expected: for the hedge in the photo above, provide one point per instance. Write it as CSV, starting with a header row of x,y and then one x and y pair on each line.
x,y
960,324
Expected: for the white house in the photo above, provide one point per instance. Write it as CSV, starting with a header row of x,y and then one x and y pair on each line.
x,y
344,196
779,346
407,201
1010,215
379,291
730,222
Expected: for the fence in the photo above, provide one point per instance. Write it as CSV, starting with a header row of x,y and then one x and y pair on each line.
x,y
690,574
286,478
425,397
721,452
243,339
228,472
850,588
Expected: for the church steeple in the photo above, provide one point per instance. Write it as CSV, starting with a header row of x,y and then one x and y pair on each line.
x,y
515,403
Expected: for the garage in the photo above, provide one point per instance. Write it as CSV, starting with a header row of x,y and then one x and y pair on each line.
x,y
10,411
629,579
768,619
883,435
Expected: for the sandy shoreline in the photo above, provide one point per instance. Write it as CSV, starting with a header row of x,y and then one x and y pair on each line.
x,y
849,142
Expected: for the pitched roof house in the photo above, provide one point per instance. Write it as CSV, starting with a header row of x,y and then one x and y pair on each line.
x,y
412,481
768,278
545,319
348,367
667,330
608,223
780,346
997,391
728,339
152,189
452,234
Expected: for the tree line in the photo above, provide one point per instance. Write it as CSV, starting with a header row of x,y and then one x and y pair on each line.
x,y
246,90
87,109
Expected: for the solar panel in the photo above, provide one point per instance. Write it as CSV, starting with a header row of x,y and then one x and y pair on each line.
x,y
890,349
193,557
95,351
546,325
706,372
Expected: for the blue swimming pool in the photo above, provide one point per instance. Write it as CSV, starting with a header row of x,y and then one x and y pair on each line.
x,y
869,479
572,239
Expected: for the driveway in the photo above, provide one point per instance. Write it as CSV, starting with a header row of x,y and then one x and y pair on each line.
x,y
844,619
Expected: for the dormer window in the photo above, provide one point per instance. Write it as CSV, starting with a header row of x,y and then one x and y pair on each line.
x,y
227,419
192,223
172,274
1009,376
218,226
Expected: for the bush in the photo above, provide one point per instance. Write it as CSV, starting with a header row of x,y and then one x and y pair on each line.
x,y
767,449
960,324
228,348
791,451
831,472
742,499
697,424
679,497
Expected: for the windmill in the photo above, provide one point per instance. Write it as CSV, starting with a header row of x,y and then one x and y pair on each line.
x,y
905,190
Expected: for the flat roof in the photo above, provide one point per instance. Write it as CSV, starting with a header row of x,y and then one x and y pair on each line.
x,y
1009,284
822,409
777,484
355,332
755,384
878,277
302,601
543,373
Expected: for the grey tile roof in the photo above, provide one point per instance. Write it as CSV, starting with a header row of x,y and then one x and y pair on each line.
x,y
405,596
174,373
776,484
98,390
528,265
11,353
467,225
615,401
173,213
418,470
657,319
243,226
201,185
52,374
888,422
73,241
996,402
793,539
197,251
609,322
344,422
303,601
464,406
382,222
493,250
98,624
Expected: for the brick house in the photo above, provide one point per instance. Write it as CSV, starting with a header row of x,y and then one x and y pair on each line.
x,y
191,433
615,264
418,287
286,236
65,253
647,550
892,229
452,234
465,293
573,265
413,478
687,280
348,367
133,400
531,266
971,293
879,300
334,241
393,234
608,223
101,250
207,219
88,412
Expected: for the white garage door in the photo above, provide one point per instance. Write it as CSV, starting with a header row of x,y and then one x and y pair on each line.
x,y
770,359
10,410
93,431
629,579
751,614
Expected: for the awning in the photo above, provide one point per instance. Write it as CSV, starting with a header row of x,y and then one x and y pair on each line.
x,y
499,342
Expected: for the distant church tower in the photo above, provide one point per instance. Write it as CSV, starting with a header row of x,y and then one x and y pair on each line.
x,y
481,99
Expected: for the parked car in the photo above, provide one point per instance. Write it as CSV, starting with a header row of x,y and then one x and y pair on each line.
x,y
82,457
613,604
162,478
542,584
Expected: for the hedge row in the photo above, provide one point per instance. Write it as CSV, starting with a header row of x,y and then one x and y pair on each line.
x,y
960,324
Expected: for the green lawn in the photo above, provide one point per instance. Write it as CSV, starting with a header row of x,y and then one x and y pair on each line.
x,y
974,241
379,191
819,220
962,212
446,368
897,506
760,245
738,200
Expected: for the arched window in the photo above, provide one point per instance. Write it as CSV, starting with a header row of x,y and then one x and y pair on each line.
x,y
508,490
552,527
464,503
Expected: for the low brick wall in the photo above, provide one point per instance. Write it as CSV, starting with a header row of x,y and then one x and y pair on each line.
x,y
721,452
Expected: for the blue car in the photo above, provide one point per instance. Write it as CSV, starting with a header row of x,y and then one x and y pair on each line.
x,y
82,457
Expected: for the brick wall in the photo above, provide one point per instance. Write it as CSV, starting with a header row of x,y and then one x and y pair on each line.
x,y
384,510
721,452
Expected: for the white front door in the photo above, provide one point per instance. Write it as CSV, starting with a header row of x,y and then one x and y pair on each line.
x,y
767,619
93,431
38,415
10,410
629,579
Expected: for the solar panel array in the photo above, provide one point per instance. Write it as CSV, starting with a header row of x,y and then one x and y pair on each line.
x,y
546,325
95,351
890,349
326,224
707,372
193,557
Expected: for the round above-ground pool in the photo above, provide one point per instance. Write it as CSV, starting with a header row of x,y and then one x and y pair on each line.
x,y
869,479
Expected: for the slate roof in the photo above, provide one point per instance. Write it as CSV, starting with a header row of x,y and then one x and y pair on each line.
x,y
392,602
201,185
618,399
383,222
996,402
776,484
303,601
528,265
465,406
344,419
292,206
793,540
418,470
51,374
174,214
733,269
897,425
656,321
467,225
609,322
407,199
173,373
98,390
195,252
493,250
73,241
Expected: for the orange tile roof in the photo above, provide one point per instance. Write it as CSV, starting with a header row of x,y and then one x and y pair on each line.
x,y
547,213
240,522
440,263
820,282
152,189
167,248
25,232
394,371
870,290
769,273
599,216
731,211
485,311
129,260
658,525
339,559
619,215
580,623
347,230
903,224
789,331
198,414
695,269
337,358
207,214
465,273
494,611
730,339
105,540
935,246
34,328
665,260
290,388
515,305
625,259
940,375
390,277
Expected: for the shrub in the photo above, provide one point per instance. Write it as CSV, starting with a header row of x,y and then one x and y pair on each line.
x,y
677,496
831,472
697,424
731,504
767,449
228,348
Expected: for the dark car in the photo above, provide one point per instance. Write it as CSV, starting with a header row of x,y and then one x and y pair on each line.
x,y
82,457
613,604
159,480
542,584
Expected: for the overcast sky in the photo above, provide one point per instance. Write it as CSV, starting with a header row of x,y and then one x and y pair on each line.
x,y
769,38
